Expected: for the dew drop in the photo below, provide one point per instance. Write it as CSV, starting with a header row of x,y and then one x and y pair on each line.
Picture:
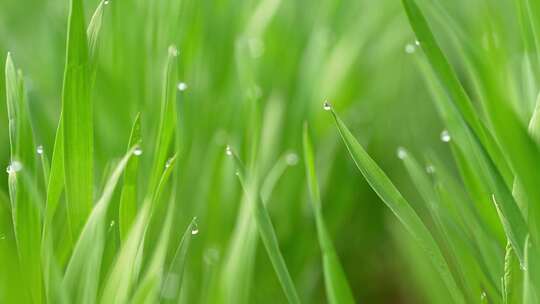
x,y
291,159
228,151
182,86
39,149
401,153
137,151
106,2
168,163
111,224
410,48
173,51
430,169
2,236
14,167
327,106
445,136
194,227
417,43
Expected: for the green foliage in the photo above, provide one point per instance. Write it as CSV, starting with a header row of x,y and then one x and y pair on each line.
x,y
77,122
169,223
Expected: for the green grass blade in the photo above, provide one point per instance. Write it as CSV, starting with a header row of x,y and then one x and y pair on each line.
x,y
81,278
52,276
124,272
382,185
93,31
529,293
266,230
533,7
150,285
77,115
507,278
25,209
337,286
172,285
128,197
276,172
237,271
270,241
56,177
167,123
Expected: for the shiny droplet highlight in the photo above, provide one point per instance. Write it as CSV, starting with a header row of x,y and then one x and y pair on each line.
x,y
327,106
445,136
401,153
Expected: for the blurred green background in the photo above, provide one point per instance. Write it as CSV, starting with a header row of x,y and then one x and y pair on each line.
x,y
273,59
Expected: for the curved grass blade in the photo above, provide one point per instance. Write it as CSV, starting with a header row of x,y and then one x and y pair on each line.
x,y
25,209
237,272
93,31
337,286
275,173
81,279
399,206
266,230
77,116
128,197
124,272
167,123
173,281
126,269
506,280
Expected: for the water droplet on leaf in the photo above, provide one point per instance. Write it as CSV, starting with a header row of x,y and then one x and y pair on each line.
x,y
401,153
194,227
445,136
137,151
182,86
173,51
410,48
14,167
327,106
291,159
228,151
